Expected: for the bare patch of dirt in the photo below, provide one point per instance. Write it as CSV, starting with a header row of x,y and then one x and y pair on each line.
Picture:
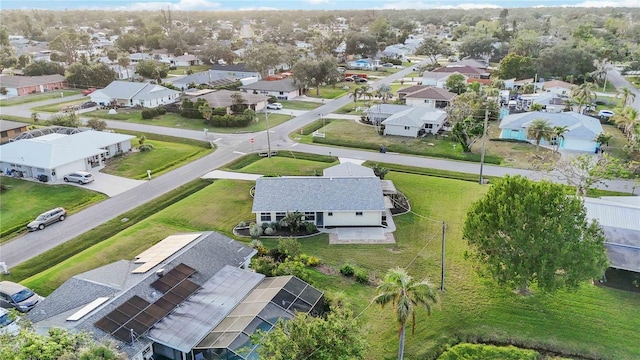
x,y
393,250
327,270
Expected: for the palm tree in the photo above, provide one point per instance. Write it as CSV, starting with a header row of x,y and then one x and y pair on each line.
x,y
600,73
626,96
628,120
583,94
356,94
557,133
124,62
538,130
404,294
384,92
603,139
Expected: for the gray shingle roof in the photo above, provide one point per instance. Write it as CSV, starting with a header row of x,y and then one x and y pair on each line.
x,y
580,126
205,77
6,125
22,81
285,85
135,91
416,116
318,194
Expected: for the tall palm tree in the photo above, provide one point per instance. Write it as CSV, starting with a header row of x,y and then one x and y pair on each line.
x,y
557,133
603,139
583,94
384,92
600,73
629,121
356,94
538,130
626,96
405,294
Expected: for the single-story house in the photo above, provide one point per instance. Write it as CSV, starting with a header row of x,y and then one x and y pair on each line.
x,y
437,79
126,93
236,71
224,99
10,129
428,96
55,155
558,87
284,89
581,134
210,77
415,122
324,200
550,102
380,112
619,216
188,297
362,64
185,60
24,85
466,70
476,63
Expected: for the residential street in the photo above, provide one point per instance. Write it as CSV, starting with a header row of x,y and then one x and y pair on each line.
x,y
230,147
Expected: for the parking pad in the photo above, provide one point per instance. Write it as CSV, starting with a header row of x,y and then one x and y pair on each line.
x,y
107,184
360,235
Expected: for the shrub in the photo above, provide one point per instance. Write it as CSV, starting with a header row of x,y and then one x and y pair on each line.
x,y
362,276
289,247
161,110
263,265
255,243
242,224
149,113
347,270
309,260
292,267
269,231
311,227
255,230
145,147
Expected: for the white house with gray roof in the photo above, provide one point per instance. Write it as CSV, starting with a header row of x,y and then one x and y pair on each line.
x,y
581,131
126,93
180,306
326,201
284,89
414,122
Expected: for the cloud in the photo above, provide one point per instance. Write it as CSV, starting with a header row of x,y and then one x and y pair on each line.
x,y
611,3
317,2
182,5
403,5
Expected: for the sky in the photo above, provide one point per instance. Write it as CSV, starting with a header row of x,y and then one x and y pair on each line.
x,y
226,5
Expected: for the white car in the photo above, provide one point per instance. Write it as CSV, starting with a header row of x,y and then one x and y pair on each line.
x,y
274,106
81,177
606,113
7,324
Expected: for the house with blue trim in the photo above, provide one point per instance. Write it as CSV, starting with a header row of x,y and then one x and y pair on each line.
x,y
581,131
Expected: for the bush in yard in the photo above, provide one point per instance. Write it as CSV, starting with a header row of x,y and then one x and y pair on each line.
x,y
309,260
149,113
161,110
242,224
145,147
269,231
289,247
292,267
347,270
311,227
362,276
255,230
263,265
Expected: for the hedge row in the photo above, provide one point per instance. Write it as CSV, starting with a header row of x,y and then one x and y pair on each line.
x,y
310,128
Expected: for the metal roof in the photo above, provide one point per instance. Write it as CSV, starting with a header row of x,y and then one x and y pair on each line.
x,y
317,193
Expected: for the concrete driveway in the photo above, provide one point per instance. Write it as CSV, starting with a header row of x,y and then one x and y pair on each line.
x,y
109,185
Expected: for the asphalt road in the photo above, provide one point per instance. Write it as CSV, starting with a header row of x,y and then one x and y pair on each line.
x,y
230,147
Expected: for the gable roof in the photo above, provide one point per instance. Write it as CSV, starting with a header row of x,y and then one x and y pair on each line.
x,y
6,125
387,109
316,193
239,67
557,83
135,91
284,85
10,81
347,169
462,69
222,98
204,77
440,75
417,116
431,92
579,126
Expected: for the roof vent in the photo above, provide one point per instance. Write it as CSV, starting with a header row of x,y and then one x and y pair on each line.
x,y
160,272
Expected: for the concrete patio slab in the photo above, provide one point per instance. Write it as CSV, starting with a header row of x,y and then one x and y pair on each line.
x,y
360,235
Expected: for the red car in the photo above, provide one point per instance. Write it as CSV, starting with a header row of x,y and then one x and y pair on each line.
x,y
88,91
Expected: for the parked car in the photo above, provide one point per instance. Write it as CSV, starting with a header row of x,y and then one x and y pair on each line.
x,y
88,104
606,113
7,325
274,106
47,218
387,65
14,295
348,78
81,177
88,91
360,80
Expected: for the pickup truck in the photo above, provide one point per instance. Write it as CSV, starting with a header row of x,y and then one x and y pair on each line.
x,y
88,91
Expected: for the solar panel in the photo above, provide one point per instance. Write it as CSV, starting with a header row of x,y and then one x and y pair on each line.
x,y
173,277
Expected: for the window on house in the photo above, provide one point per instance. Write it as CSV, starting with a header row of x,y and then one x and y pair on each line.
x,y
265,217
330,213
407,127
426,101
4,134
428,126
280,215
309,216
358,213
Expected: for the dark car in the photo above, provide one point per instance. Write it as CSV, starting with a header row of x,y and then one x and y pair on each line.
x,y
361,80
45,219
88,104
13,295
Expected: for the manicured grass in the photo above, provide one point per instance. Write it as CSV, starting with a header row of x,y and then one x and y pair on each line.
x,y
37,97
181,70
593,322
299,105
353,134
165,157
617,142
58,107
24,200
18,119
331,91
177,121
281,166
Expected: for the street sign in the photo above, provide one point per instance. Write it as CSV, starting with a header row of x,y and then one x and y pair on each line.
x,y
251,140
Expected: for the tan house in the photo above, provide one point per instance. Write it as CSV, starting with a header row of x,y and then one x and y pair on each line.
x,y
224,99
10,129
24,85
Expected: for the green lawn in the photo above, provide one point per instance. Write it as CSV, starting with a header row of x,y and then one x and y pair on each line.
x,y
37,97
594,321
299,105
182,70
178,121
282,166
24,200
165,157
58,107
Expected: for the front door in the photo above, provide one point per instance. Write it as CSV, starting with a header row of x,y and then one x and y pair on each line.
x,y
319,219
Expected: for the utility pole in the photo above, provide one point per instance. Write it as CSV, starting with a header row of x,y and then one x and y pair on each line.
x,y
484,142
443,241
266,117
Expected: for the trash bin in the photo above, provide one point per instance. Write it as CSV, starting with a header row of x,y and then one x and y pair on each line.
x,y
43,178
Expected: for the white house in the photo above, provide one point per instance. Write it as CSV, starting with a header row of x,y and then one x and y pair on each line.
x,y
283,89
415,122
427,96
126,93
325,201
558,87
56,155
186,60
581,131
437,79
